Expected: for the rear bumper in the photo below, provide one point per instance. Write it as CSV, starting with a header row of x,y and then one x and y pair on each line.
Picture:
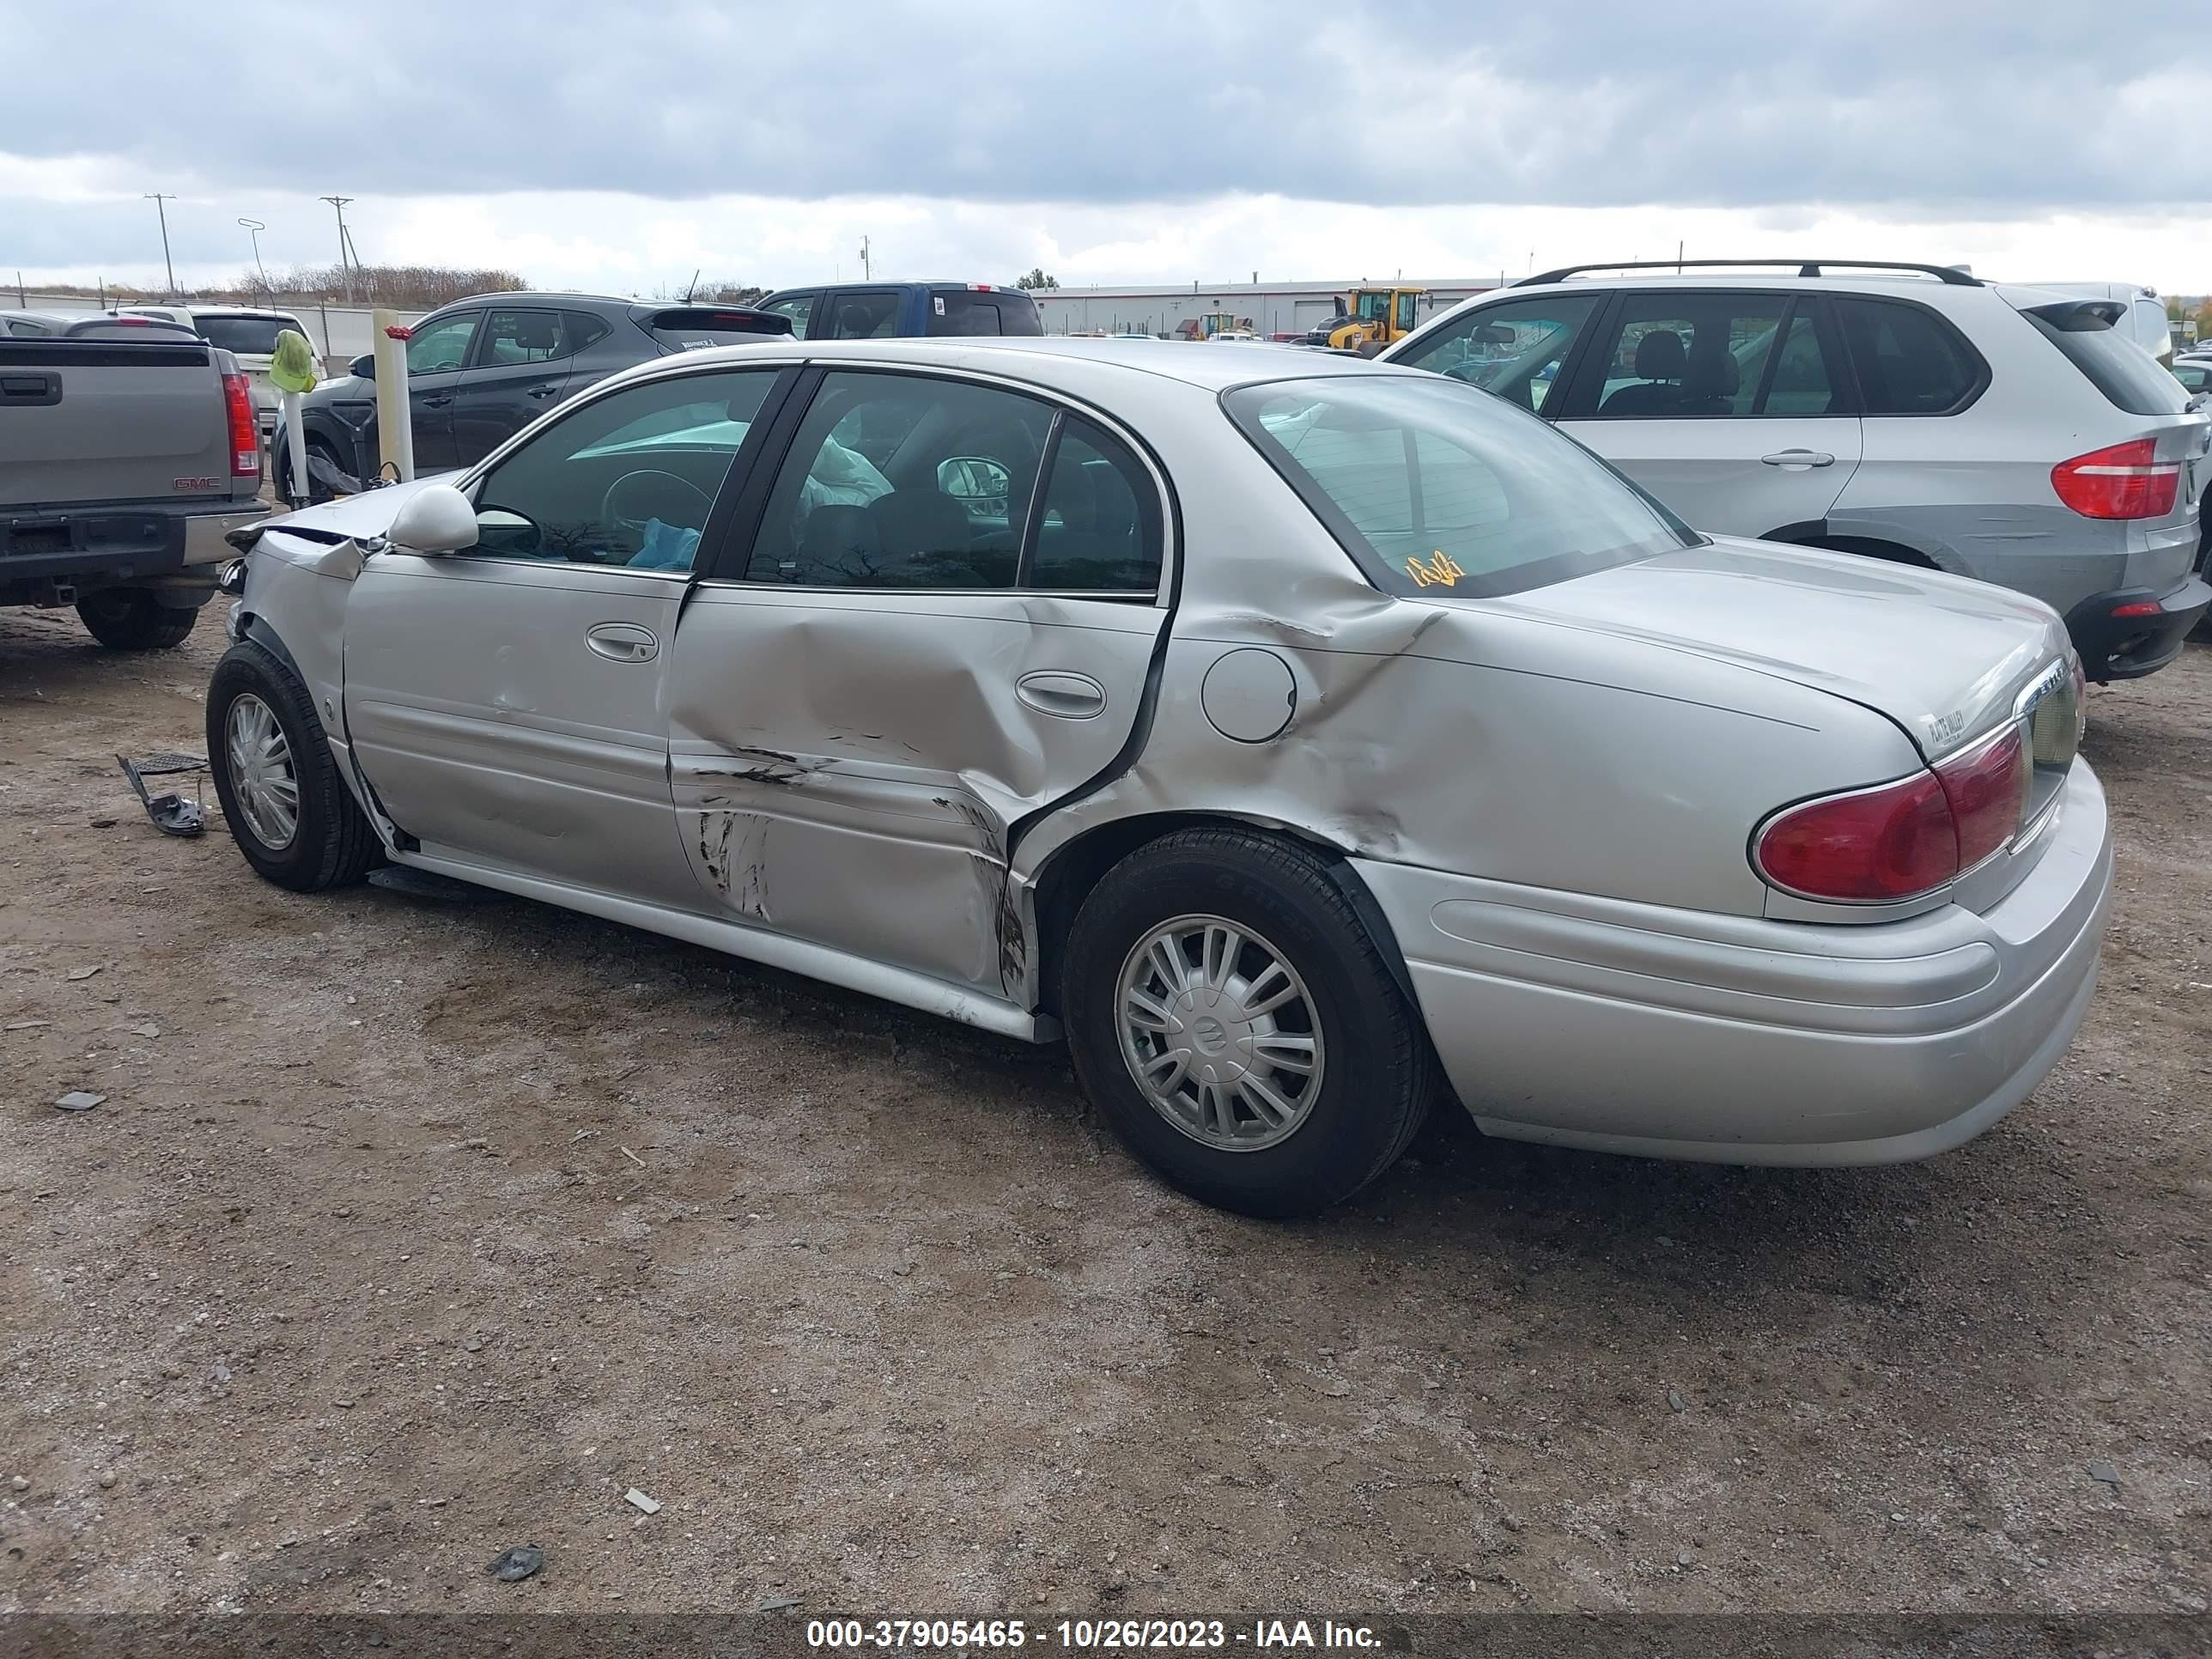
x,y
2126,647
1630,1028
89,548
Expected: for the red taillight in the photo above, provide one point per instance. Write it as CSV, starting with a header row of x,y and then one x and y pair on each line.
x,y
245,434
2139,608
2127,481
1903,839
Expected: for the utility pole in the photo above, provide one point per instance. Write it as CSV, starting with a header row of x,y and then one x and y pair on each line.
x,y
345,262
867,271
158,200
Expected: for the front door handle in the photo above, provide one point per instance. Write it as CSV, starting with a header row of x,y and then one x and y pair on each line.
x,y
1066,696
543,391
437,403
623,642
1798,460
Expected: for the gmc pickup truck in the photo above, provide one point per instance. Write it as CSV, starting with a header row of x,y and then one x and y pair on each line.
x,y
126,453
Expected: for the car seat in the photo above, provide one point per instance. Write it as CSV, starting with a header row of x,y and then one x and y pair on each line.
x,y
1660,363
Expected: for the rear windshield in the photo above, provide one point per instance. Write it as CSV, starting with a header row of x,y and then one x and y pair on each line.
x,y
965,310
2129,377
1436,488
256,336
691,326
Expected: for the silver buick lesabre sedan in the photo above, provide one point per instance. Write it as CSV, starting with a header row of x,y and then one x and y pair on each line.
x,y
1298,736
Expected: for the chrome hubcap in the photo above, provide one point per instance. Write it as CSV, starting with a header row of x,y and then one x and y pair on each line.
x,y
261,773
1220,1033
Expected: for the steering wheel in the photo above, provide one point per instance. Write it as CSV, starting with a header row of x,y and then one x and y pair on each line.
x,y
635,497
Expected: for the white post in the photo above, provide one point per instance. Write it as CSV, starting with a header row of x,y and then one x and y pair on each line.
x,y
302,493
395,426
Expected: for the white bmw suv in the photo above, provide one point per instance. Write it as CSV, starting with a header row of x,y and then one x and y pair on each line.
x,y
1913,413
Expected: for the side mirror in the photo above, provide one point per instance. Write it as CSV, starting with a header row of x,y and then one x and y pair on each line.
x,y
364,367
980,484
436,519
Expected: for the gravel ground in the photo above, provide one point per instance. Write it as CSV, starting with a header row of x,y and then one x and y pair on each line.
x,y
409,1232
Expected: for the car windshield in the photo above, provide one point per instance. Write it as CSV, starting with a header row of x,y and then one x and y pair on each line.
x,y
1434,487
254,336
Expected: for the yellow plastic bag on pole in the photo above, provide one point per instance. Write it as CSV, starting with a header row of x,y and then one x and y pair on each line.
x,y
293,368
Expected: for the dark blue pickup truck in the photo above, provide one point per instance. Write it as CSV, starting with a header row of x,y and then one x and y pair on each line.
x,y
888,311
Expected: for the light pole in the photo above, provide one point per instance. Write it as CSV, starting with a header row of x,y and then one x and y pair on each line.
x,y
867,271
345,264
158,200
253,228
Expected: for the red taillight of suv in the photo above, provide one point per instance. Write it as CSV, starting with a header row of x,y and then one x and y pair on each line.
x,y
1900,840
2127,481
245,431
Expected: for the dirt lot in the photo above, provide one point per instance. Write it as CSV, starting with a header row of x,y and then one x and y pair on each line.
x,y
408,1233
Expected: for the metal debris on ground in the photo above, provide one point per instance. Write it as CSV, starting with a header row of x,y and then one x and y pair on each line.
x,y
512,1566
2102,1470
171,813
24,1024
79,1100
638,1500
777,1604
86,973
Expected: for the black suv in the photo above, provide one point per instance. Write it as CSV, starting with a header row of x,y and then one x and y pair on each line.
x,y
481,369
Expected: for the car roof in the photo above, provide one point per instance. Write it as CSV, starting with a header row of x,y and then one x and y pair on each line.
x,y
1211,366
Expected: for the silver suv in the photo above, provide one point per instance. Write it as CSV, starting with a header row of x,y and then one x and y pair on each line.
x,y
1910,413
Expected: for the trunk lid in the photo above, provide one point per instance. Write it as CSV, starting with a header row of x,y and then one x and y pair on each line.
x,y
88,421
1945,658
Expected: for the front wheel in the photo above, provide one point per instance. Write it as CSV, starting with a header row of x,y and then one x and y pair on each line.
x,y
134,619
288,809
1232,1019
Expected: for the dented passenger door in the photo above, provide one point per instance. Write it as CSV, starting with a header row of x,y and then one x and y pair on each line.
x,y
943,621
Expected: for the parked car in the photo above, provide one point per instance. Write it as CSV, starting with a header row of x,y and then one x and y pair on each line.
x,y
1280,727
885,311
1909,414
61,326
247,332
2195,373
127,451
481,369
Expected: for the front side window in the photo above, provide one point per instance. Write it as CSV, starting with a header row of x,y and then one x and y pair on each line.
x,y
524,336
863,316
1516,348
1909,362
797,308
903,481
1435,492
628,480
1099,531
1676,355
441,343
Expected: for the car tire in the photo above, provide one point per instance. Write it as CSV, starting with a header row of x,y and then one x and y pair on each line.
x,y
261,729
134,619
1373,1072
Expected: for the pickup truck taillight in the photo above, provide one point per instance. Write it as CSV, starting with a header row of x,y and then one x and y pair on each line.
x,y
2127,481
245,432
1900,840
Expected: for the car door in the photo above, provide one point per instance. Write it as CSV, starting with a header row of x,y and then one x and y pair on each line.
x,y
521,369
1733,408
507,704
907,647
437,355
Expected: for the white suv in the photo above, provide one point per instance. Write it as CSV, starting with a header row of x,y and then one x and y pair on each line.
x,y
1906,412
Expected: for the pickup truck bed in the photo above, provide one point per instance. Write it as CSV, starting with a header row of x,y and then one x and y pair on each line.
x,y
122,464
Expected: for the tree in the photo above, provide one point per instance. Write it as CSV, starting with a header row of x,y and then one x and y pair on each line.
x,y
1038,277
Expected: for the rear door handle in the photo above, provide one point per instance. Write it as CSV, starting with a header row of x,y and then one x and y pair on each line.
x,y
543,391
1799,458
623,642
1066,696
437,403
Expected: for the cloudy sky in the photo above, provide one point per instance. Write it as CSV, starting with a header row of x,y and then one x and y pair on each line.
x,y
620,148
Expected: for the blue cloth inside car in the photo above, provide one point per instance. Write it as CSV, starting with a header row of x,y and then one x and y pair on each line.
x,y
667,547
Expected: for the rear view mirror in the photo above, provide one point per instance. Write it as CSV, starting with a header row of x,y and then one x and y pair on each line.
x,y
436,519
1494,334
364,367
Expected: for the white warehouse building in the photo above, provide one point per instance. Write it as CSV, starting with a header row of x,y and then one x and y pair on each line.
x,y
1271,308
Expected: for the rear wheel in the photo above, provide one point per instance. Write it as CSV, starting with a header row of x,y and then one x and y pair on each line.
x,y
288,809
134,619
1232,1020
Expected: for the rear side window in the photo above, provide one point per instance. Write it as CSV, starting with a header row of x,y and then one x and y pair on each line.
x,y
1433,489
1100,532
1680,355
2129,377
585,329
524,336
1909,361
